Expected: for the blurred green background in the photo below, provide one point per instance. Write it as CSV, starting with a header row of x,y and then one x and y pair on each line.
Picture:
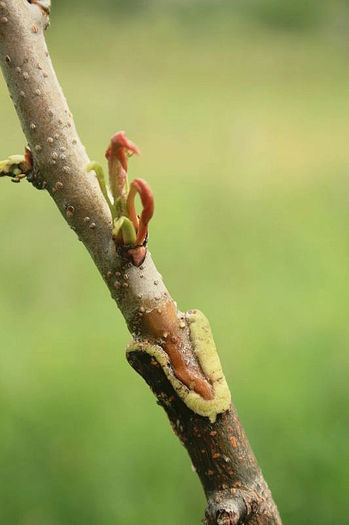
x,y
241,112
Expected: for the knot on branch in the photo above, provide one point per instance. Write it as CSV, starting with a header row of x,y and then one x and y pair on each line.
x,y
224,509
241,507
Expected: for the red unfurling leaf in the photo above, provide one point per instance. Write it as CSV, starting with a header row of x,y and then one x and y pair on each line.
x,y
119,146
147,199
117,154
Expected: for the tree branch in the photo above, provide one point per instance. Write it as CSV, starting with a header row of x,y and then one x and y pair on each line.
x,y
174,352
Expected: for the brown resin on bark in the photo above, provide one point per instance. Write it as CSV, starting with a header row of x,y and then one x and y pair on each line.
x,y
163,326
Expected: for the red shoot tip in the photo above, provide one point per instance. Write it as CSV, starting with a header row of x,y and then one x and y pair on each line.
x,y
120,145
147,199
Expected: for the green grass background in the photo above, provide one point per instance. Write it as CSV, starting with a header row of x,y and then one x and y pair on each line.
x,y
243,127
